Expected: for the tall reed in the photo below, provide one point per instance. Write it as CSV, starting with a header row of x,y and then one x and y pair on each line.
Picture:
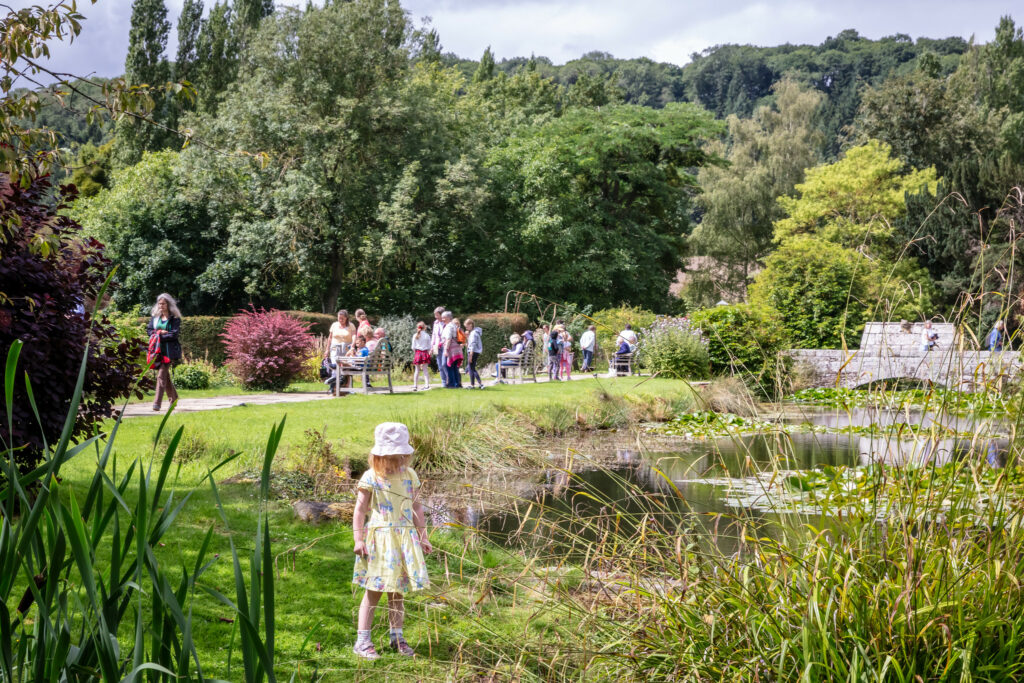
x,y
923,583
83,594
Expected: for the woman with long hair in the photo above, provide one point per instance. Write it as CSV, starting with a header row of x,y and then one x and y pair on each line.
x,y
164,346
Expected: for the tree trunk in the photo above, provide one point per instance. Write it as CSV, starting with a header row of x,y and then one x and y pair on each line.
x,y
329,300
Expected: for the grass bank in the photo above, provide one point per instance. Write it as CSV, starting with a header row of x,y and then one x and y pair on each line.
x,y
348,422
483,616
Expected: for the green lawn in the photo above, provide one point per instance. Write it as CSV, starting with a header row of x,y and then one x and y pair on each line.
x,y
463,620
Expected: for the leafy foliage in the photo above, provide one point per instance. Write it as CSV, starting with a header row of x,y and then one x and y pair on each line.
x,y
734,79
335,111
92,170
146,63
964,125
853,201
100,553
611,321
160,232
200,337
25,34
191,376
595,203
821,290
400,329
672,348
742,339
45,295
266,349
767,155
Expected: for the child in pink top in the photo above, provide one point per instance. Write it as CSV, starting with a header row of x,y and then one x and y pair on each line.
x,y
565,358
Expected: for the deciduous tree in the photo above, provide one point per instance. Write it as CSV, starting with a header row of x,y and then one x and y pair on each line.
x,y
767,155
853,201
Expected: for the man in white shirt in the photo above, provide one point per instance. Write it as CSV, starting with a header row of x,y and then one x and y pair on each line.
x,y
627,335
588,342
929,337
436,347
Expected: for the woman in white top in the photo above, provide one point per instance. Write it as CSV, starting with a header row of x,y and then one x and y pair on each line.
x,y
474,347
421,347
341,335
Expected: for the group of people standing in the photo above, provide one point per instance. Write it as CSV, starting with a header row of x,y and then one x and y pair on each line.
x,y
452,345
558,343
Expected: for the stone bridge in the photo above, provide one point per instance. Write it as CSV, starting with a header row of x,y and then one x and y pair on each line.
x,y
887,352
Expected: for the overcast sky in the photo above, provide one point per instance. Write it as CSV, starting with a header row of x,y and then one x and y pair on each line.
x,y
664,30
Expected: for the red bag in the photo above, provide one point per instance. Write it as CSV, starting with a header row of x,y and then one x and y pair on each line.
x,y
153,355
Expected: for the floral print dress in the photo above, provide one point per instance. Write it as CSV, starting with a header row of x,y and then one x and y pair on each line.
x,y
394,559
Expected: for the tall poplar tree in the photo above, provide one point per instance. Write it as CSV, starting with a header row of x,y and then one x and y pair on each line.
x,y
190,23
485,71
145,65
249,13
217,50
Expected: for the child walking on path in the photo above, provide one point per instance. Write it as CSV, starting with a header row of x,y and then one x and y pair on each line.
x,y
390,548
565,359
420,356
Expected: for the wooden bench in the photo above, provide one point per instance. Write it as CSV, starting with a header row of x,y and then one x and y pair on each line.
x,y
518,365
623,364
378,364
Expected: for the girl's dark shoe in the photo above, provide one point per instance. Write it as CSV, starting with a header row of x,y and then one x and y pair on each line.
x,y
402,648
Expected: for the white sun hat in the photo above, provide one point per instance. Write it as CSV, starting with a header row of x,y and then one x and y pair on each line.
x,y
391,438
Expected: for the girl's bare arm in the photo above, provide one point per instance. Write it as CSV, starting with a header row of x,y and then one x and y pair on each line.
x,y
420,522
359,520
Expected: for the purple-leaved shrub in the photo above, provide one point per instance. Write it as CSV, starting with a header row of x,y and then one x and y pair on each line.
x,y
266,349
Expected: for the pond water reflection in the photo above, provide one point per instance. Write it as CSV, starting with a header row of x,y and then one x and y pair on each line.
x,y
693,487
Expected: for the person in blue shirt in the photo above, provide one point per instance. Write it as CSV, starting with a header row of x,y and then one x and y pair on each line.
x,y
358,348
996,337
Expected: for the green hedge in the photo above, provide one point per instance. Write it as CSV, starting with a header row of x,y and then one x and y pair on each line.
x,y
319,323
743,339
200,337
200,334
496,328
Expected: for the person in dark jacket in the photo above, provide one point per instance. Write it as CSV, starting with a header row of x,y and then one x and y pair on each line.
x,y
164,346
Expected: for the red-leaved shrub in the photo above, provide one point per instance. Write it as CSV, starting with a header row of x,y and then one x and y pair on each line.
x,y
266,349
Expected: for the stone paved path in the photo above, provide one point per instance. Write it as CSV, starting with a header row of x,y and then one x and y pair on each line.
x,y
192,405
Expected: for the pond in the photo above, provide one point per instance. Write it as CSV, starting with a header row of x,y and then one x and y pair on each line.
x,y
716,491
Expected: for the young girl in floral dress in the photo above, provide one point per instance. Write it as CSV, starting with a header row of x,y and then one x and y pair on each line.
x,y
390,548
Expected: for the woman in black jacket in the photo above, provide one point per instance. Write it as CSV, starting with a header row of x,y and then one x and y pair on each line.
x,y
164,325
